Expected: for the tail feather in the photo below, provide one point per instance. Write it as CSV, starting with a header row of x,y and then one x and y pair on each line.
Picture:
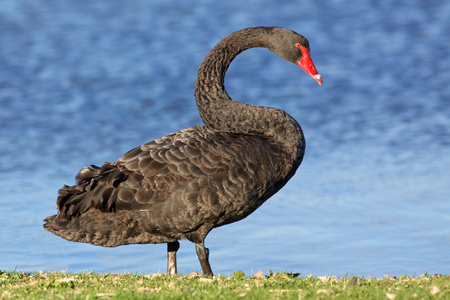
x,y
87,173
91,211
95,188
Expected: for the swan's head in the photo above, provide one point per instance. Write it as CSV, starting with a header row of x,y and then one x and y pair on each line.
x,y
294,48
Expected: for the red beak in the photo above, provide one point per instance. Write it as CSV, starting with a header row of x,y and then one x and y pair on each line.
x,y
307,64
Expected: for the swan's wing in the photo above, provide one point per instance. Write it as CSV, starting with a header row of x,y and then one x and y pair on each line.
x,y
184,179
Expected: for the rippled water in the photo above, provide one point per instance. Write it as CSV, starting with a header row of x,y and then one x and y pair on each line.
x,y
83,82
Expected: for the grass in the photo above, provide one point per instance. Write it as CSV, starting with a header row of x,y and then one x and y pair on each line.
x,y
57,285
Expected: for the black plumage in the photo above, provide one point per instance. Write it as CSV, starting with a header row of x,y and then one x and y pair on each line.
x,y
183,185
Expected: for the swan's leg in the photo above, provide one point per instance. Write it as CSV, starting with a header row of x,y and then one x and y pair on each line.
x,y
172,249
203,257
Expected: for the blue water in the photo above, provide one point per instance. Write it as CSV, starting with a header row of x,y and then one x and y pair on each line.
x,y
82,82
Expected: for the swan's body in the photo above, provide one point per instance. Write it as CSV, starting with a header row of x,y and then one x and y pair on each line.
x,y
183,185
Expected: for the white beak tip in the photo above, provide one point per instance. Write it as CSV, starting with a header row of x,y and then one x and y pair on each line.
x,y
318,78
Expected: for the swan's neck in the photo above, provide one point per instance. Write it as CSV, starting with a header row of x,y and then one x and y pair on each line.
x,y
220,112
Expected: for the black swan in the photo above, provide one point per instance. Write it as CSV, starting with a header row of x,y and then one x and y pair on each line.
x,y
184,184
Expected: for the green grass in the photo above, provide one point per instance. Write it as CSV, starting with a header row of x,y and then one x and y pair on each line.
x,y
57,285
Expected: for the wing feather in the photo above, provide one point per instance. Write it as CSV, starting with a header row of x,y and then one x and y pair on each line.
x,y
185,179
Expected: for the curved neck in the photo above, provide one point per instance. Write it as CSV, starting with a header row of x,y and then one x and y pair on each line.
x,y
220,112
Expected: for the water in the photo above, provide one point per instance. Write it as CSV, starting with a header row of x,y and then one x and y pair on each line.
x,y
83,82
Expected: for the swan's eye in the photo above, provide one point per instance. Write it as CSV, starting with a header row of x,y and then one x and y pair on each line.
x,y
298,46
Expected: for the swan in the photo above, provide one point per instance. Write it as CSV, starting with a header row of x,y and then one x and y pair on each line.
x,y
183,185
